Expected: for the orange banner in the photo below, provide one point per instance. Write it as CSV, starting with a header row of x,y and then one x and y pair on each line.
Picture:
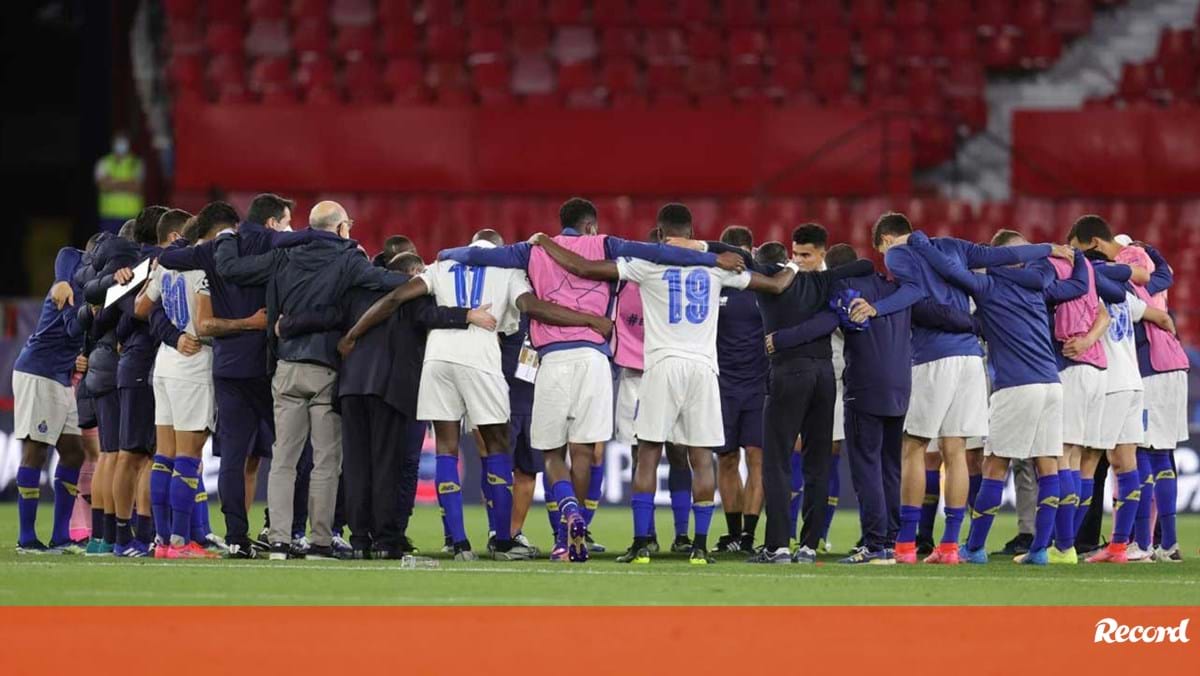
x,y
580,640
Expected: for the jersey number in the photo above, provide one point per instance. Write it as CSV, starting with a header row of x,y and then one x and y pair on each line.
x,y
461,286
175,300
687,297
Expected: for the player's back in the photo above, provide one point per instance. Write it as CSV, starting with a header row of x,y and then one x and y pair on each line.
x,y
178,293
467,286
1017,328
931,344
680,308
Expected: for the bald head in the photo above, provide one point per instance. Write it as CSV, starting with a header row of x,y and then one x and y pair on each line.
x,y
489,235
327,216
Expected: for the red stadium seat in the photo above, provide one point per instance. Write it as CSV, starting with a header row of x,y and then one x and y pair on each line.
x,y
486,44
620,76
310,38
704,42
664,78
993,16
822,13
692,12
879,44
747,46
951,15
224,11
830,43
965,79
831,80
740,13
483,12
579,86
223,38
654,13
448,81
628,100
532,75
185,36
921,46
607,13
1071,18
913,14
786,13
405,81
444,41
865,15
1031,15
363,81
265,9
1042,48
352,12
225,67
664,46
1136,81
309,9
316,72
492,83
705,78
787,80
745,78
574,43
531,40
567,12
1177,45
437,12
186,70
619,42
880,79
520,12
182,9
399,39
395,11
959,44
270,71
1002,51
355,43
789,45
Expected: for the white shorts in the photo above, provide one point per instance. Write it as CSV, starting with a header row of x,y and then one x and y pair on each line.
x,y
1122,421
1026,421
1083,404
681,402
628,385
184,405
839,413
572,399
450,391
43,409
949,399
1166,399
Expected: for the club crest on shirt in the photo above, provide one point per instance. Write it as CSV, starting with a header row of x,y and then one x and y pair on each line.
x,y
43,427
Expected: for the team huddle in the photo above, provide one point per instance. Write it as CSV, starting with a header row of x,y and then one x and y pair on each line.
x,y
958,360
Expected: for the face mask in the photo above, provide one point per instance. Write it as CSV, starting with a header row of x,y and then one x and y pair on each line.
x,y
121,146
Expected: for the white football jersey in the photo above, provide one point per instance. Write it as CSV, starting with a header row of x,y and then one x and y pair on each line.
x,y
457,285
1123,374
679,307
178,292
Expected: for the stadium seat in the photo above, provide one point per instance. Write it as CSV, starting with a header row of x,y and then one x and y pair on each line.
x,y
518,12
951,15
352,12
993,17
399,39
566,12
1071,18
1042,48
910,15
354,43
1136,81
705,78
959,44
394,11
486,44
449,82
318,71
789,45
225,11
1030,15
740,13
223,37
182,9
695,12
531,40
786,13
492,82
920,47
787,80
747,46
310,38
830,43
185,70
483,12
580,88
865,15
664,78
573,44
654,13
363,81
824,13
619,42
879,44
258,10
444,41
1002,51
608,13
665,46
437,13
309,9
831,80
532,75
704,42
620,76
405,81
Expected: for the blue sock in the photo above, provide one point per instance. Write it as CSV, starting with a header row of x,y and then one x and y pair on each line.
x,y
703,512
933,485
450,495
1086,488
161,468
552,514
987,503
910,516
954,521
184,481
564,494
643,514
66,488
1142,532
500,477
1047,510
797,460
1068,504
595,484
486,489
681,506
1166,490
831,503
200,525
29,491
1129,488
974,481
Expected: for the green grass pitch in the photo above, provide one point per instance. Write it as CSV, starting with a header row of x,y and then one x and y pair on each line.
x,y
668,580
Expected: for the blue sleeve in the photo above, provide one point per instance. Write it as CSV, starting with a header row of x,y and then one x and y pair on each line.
x,y
325,318
1117,272
514,256
183,259
1109,289
367,276
979,256
816,327
931,315
426,313
904,269
664,254
1032,279
65,264
162,329
1162,278
751,264
282,240
246,270
954,273
1063,290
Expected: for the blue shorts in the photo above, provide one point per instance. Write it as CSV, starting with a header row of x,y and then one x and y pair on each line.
x,y
743,416
137,419
86,406
245,416
108,419
526,458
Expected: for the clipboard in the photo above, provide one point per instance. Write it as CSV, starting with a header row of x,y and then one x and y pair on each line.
x,y
117,292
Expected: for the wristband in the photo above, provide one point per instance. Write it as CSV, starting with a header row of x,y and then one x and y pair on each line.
x,y
793,267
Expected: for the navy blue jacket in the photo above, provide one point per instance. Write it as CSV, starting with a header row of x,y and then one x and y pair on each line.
x,y
520,392
51,349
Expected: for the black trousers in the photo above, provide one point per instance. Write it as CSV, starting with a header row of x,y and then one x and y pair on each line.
x,y
410,471
872,447
799,402
1088,536
373,435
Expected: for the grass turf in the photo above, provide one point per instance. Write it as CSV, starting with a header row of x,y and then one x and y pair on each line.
x,y
668,580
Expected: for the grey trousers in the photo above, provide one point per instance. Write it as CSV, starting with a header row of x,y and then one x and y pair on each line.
x,y
1025,481
304,407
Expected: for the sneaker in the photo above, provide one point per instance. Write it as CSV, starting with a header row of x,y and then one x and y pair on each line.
x,y
906,552
635,554
862,555
448,546
977,556
491,542
133,550
681,545
1134,553
825,545
340,544
462,552
406,546
263,542
1171,555
699,557
98,547
1018,545
515,552
328,552
158,550
1034,557
300,542
282,551
560,553
520,539
652,546
68,547
925,545
764,555
592,545
1057,557
728,544
241,550
1113,553
577,549
804,555
36,547
191,550
945,554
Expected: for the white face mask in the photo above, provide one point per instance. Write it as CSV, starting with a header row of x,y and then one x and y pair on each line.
x,y
120,145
